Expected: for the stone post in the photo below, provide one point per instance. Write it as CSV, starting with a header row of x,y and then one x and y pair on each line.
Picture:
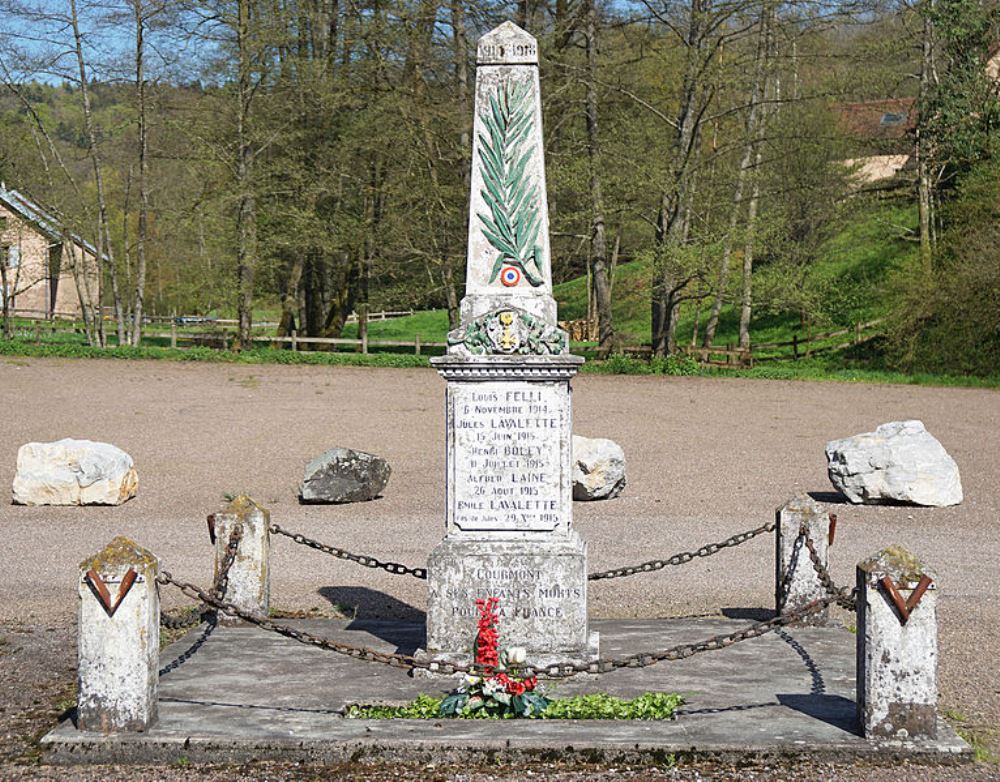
x,y
119,639
508,528
796,580
897,647
249,582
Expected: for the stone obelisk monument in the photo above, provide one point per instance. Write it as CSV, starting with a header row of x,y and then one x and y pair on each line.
x,y
509,530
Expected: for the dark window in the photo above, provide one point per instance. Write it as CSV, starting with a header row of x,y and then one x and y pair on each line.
x,y
889,118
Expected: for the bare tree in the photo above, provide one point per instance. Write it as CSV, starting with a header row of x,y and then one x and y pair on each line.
x,y
105,250
598,238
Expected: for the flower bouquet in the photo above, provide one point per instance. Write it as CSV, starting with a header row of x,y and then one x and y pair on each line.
x,y
497,689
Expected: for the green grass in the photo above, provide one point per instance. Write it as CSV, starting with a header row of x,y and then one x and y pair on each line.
x,y
19,347
597,706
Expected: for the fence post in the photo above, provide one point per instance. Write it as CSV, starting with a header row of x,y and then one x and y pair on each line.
x,y
796,582
119,639
857,333
416,344
896,647
295,340
38,332
795,346
249,586
364,342
173,333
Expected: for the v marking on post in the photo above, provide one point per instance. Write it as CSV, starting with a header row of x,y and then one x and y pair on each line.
x,y
103,595
905,607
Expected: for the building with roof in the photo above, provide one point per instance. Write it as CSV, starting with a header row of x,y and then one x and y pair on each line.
x,y
883,132
49,271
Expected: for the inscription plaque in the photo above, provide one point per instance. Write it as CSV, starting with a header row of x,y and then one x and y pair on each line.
x,y
507,456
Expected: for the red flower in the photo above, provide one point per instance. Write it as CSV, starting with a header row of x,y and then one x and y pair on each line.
x,y
487,655
530,683
515,687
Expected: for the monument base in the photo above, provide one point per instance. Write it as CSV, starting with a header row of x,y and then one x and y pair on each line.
x,y
541,586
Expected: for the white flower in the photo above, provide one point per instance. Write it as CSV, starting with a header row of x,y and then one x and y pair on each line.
x,y
492,686
471,680
516,655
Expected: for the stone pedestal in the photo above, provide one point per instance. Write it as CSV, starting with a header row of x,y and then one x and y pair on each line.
x,y
509,511
896,647
542,592
796,582
119,639
249,583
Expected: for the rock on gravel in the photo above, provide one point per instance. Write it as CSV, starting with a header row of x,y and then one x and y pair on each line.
x,y
598,468
900,462
73,472
344,475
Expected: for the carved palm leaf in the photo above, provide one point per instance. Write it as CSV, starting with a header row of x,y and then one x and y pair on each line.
x,y
505,149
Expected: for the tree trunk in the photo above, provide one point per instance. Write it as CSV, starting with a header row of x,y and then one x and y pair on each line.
x,y
106,254
460,56
668,282
752,128
924,185
598,238
246,217
4,290
746,291
140,250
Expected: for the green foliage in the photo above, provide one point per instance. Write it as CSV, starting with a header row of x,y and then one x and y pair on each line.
x,y
963,113
598,706
499,706
949,321
423,707
629,365
601,706
19,347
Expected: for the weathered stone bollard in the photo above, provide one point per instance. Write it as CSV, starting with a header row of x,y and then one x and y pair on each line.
x,y
897,647
796,580
249,582
119,639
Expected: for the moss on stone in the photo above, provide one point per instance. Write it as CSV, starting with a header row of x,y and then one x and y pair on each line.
x,y
120,552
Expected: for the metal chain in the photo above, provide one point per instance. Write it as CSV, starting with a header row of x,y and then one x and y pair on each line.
x,y
685,556
559,670
390,567
844,596
219,588
683,651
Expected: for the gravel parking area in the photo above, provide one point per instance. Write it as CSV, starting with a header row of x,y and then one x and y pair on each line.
x,y
706,458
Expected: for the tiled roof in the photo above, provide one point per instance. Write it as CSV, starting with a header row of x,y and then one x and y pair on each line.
x,y
889,118
46,222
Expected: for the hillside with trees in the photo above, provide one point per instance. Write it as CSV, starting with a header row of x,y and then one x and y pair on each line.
x,y
708,162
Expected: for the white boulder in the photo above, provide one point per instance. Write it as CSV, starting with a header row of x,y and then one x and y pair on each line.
x,y
73,472
598,468
900,462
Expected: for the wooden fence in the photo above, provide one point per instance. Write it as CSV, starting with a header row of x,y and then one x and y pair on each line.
x,y
729,355
734,357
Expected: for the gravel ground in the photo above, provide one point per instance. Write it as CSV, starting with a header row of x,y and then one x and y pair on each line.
x,y
707,458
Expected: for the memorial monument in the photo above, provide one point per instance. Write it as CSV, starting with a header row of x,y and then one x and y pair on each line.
x,y
509,531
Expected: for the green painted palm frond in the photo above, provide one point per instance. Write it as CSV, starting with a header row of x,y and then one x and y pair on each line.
x,y
512,222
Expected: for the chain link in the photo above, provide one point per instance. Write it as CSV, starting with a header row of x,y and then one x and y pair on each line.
x,y
219,588
685,556
390,567
556,671
844,597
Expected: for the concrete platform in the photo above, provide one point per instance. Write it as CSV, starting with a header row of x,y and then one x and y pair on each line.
x,y
234,693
